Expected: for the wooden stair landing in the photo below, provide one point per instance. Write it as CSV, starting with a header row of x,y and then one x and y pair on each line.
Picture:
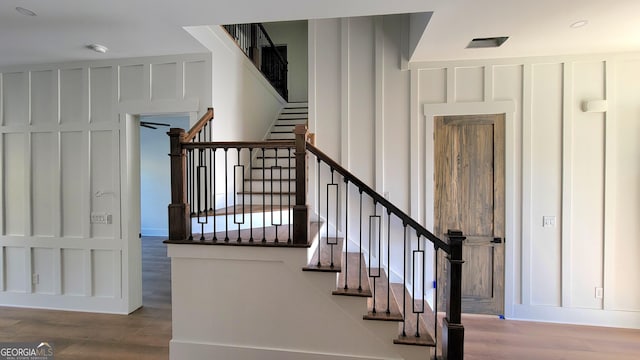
x,y
261,237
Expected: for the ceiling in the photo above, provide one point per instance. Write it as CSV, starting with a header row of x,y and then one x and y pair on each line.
x,y
62,28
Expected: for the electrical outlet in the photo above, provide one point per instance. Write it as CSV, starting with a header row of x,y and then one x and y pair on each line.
x,y
101,218
599,293
385,195
35,279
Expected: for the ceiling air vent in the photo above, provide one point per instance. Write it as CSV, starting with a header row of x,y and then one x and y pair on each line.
x,y
487,42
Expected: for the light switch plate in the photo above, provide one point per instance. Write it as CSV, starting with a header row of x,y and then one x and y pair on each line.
x,y
549,221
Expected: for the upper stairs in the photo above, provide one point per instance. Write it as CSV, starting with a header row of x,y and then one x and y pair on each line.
x,y
272,173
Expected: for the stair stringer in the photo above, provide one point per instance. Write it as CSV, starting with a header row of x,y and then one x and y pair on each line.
x,y
256,303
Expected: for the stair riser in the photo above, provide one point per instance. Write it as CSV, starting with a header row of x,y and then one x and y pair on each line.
x,y
284,127
280,136
282,153
268,186
292,122
297,118
269,162
295,111
257,199
285,174
296,104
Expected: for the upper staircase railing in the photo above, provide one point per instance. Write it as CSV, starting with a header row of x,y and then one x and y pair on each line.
x,y
277,171
256,43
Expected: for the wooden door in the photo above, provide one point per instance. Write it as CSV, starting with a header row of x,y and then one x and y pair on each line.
x,y
469,196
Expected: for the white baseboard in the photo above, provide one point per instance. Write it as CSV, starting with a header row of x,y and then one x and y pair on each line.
x,y
594,317
107,305
179,350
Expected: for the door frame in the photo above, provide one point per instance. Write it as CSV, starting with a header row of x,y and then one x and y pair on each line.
x,y
129,119
422,155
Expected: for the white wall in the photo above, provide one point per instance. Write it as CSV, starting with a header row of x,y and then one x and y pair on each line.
x,y
560,161
245,103
359,110
294,35
65,135
155,175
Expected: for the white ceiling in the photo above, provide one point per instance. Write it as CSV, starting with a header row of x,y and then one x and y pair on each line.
x,y
132,28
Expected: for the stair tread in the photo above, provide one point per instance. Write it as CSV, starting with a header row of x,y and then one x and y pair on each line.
x,y
351,274
260,168
425,321
268,180
244,237
274,157
381,292
265,193
324,251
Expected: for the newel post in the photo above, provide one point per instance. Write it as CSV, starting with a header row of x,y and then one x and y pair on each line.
x,y
179,218
300,209
452,329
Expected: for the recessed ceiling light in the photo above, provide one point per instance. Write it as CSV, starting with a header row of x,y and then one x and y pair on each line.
x,y
25,12
98,48
487,42
579,24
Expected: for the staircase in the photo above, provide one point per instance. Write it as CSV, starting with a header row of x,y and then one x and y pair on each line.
x,y
294,289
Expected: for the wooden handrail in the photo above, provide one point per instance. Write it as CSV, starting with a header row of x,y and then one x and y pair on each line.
x,y
197,127
406,219
273,46
271,144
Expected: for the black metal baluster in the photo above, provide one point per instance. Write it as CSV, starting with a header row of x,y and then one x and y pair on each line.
x,y
191,193
375,276
435,312
419,252
404,280
360,251
213,169
251,195
346,234
212,195
289,212
273,184
388,261
333,242
319,211
264,202
201,170
235,182
226,195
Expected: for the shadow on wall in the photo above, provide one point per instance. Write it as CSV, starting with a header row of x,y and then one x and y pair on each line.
x,y
155,179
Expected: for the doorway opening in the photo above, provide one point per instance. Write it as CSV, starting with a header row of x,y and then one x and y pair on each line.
x,y
155,172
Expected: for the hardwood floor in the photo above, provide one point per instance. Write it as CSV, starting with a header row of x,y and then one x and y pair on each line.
x,y
491,338
145,334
